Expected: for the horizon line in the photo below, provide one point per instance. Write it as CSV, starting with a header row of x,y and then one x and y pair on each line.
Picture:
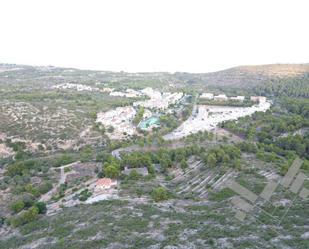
x,y
149,72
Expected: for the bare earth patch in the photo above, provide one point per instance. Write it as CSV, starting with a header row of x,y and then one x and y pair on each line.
x,y
5,151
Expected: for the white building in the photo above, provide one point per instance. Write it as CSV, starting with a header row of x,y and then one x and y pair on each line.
x,y
119,118
78,87
151,93
172,98
260,99
129,93
153,104
133,91
158,100
147,113
107,90
207,96
221,97
117,94
238,98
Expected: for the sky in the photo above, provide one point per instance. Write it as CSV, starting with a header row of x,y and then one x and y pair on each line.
x,y
154,35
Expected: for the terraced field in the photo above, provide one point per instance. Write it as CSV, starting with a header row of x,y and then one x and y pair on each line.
x,y
199,179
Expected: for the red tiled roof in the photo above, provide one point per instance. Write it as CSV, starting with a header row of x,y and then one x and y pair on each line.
x,y
104,181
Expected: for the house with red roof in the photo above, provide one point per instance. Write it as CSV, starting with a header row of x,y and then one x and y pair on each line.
x,y
104,184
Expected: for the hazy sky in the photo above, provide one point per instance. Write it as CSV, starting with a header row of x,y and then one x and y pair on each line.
x,y
154,35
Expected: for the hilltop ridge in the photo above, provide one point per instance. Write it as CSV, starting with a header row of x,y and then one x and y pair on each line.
x,y
236,77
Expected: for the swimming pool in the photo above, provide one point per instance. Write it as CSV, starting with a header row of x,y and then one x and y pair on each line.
x,y
144,124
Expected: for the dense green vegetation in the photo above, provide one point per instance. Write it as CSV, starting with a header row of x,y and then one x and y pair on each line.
x,y
223,154
279,87
169,121
164,157
283,130
27,209
139,115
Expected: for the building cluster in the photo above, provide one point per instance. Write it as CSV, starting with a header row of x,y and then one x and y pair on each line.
x,y
78,87
107,89
120,119
208,117
158,100
129,93
223,97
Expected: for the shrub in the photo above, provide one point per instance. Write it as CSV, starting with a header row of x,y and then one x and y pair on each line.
x,y
160,194
41,206
45,187
151,169
134,175
25,217
86,153
211,160
17,206
84,195
63,160
183,164
28,199
110,129
111,171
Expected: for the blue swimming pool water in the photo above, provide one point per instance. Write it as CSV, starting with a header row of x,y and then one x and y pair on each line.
x,y
148,122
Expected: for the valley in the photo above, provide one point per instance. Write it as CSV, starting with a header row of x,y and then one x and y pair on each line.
x,y
99,159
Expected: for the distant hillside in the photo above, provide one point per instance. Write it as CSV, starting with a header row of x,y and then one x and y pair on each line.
x,y
277,70
243,77
246,76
